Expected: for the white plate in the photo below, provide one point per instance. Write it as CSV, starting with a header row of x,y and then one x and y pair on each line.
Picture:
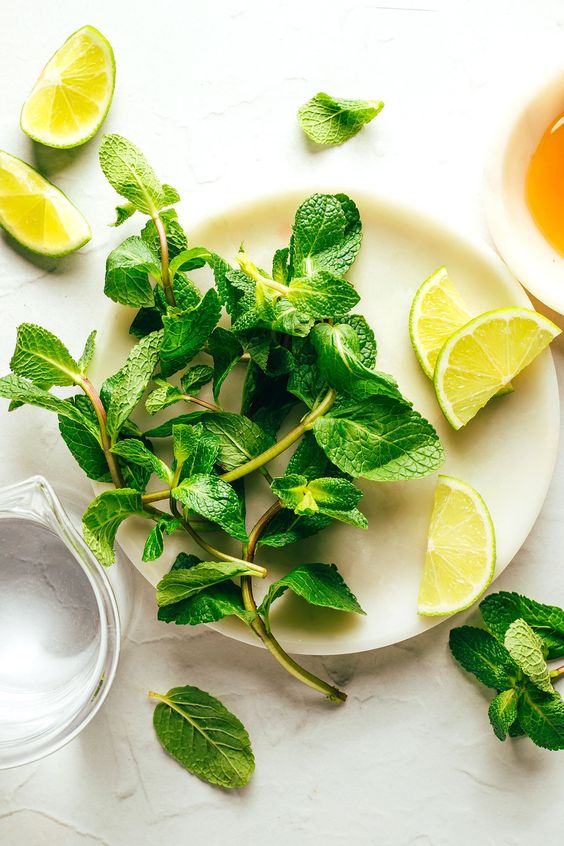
x,y
508,452
532,259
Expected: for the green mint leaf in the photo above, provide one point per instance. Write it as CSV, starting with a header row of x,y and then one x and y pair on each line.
x,y
481,654
266,400
326,235
123,213
305,380
88,353
499,610
136,452
127,273
367,342
185,333
146,320
170,195
335,497
19,390
503,712
215,500
379,438
42,358
339,361
195,378
103,517
175,234
204,737
130,382
322,294
130,174
525,647
184,561
222,271
195,450
162,396
280,266
226,351
83,444
287,528
188,260
541,716
164,430
211,604
318,584
154,545
308,459
290,320
328,120
182,583
239,438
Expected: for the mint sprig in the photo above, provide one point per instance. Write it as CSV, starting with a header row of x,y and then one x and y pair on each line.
x,y
330,120
511,657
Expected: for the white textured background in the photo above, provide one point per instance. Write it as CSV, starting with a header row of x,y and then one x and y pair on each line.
x,y
210,91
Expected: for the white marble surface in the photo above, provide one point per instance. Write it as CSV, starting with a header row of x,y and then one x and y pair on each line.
x,y
210,93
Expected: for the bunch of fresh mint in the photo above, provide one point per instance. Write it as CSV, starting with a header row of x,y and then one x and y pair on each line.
x,y
511,657
293,331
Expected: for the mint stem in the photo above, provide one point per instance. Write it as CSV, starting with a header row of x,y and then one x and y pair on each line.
x,y
198,401
100,411
165,275
559,671
257,625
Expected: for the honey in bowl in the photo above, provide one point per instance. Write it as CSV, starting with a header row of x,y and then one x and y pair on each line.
x,y
545,185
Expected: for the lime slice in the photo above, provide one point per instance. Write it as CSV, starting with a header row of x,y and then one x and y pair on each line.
x,y
460,558
72,96
37,214
484,356
437,311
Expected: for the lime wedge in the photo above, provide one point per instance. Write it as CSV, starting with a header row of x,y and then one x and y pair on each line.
x,y
437,311
483,357
37,214
460,558
72,96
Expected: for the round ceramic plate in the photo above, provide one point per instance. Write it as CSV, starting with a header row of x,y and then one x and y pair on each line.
x,y
507,452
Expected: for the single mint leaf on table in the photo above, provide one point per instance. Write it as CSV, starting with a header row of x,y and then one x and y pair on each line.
x,y
130,174
184,582
239,438
175,234
481,654
42,358
525,647
215,500
136,452
123,213
20,391
186,332
322,294
379,438
499,610
318,584
103,517
88,353
195,450
203,736
127,273
208,606
129,384
326,235
541,716
154,545
503,712
329,120
226,352
83,444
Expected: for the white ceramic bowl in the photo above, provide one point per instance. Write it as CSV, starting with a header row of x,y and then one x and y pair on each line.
x,y
538,266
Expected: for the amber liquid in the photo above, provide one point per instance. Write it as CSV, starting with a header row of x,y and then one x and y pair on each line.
x,y
545,185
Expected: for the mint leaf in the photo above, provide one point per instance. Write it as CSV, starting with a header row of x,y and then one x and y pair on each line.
x,y
322,295
164,430
19,390
42,358
186,332
130,174
123,213
329,120
339,361
195,450
337,498
127,273
130,382
287,528
305,380
188,260
280,266
499,610
379,438
86,358
162,396
318,584
211,604
154,545
215,500
239,438
503,712
175,234
83,444
203,736
525,647
480,653
541,715
367,341
184,582
226,351
326,235
137,453
104,516
195,378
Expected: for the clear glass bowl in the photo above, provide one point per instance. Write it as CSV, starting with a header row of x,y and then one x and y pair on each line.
x,y
59,626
